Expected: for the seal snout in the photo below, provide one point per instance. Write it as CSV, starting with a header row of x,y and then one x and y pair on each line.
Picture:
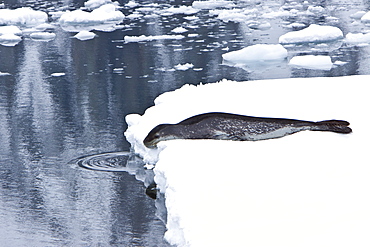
x,y
154,136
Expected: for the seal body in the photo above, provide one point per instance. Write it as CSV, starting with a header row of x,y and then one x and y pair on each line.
x,y
226,126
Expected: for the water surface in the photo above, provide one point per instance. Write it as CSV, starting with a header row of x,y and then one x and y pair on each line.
x,y
48,120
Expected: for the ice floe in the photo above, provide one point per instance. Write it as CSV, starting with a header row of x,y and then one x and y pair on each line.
x,y
42,36
306,189
107,13
22,16
184,67
185,10
312,62
9,39
366,17
85,35
179,30
58,74
93,4
212,4
259,52
358,38
142,38
313,33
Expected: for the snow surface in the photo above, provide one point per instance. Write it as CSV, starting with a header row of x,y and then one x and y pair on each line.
x,y
312,62
306,189
313,33
259,52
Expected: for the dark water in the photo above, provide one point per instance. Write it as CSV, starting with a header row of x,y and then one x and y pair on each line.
x,y
47,121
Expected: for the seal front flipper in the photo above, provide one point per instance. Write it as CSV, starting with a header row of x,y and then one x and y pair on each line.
x,y
337,126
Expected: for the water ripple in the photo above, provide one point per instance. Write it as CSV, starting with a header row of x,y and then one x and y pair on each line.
x,y
112,162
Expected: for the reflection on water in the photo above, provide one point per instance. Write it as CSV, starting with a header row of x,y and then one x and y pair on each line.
x,y
47,120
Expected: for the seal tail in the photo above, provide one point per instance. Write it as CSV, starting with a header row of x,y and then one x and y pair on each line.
x,y
337,126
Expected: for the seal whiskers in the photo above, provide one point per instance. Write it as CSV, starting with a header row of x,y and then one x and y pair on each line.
x,y
226,126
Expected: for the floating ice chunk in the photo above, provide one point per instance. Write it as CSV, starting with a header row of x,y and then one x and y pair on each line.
x,y
131,4
10,30
315,10
356,38
44,26
339,63
264,25
366,17
277,14
313,33
4,73
93,4
185,10
151,38
104,14
259,52
179,30
358,14
84,35
58,74
42,36
212,4
134,15
193,35
9,39
234,15
22,16
295,25
312,62
184,67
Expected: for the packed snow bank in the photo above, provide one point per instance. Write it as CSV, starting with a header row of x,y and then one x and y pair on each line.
x,y
306,189
313,33
312,62
259,52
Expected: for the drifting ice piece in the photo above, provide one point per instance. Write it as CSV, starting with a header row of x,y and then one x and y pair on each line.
x,y
259,52
313,33
312,62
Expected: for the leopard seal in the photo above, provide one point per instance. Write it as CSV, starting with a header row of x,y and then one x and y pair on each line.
x,y
227,126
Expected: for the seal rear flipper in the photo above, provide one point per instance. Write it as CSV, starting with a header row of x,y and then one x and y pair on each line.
x,y
337,126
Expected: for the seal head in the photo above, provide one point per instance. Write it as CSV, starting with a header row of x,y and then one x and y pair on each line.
x,y
162,132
